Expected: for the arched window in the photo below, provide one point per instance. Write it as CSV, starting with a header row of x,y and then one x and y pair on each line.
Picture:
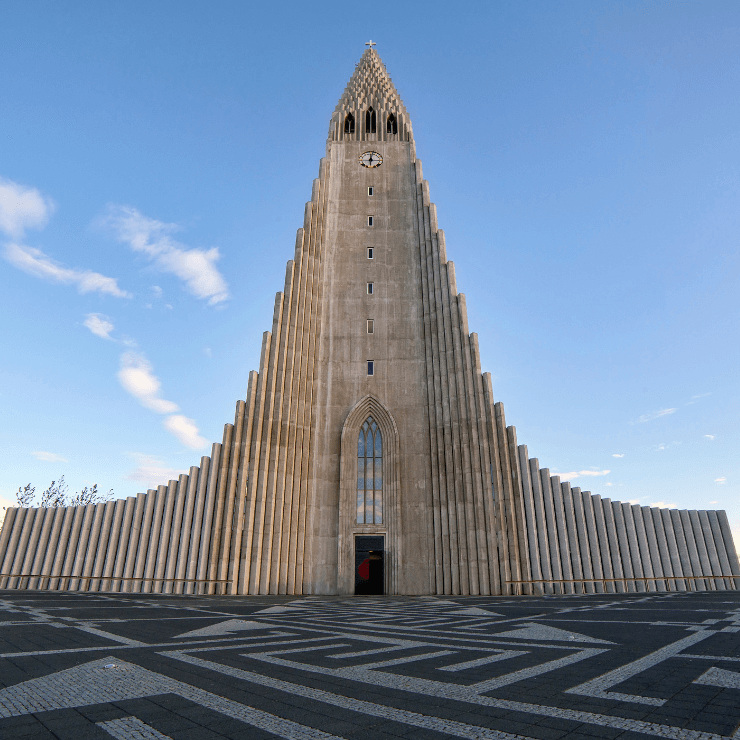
x,y
369,474
349,124
370,121
392,127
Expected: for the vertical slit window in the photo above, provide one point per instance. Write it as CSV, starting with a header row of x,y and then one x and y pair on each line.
x,y
370,120
371,191
370,474
370,253
371,367
369,288
370,220
370,326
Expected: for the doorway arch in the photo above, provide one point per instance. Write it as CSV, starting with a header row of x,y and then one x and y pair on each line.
x,y
349,527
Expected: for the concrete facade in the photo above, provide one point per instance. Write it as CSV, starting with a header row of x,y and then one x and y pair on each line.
x,y
369,333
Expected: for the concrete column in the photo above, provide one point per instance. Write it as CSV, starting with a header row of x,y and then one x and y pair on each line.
x,y
542,533
552,530
86,569
223,477
570,523
719,544
20,553
181,560
144,541
164,536
61,548
729,547
614,551
688,532
635,556
132,549
155,537
701,549
31,548
7,534
55,527
606,557
174,543
665,557
102,548
106,582
207,525
706,528
683,550
624,547
123,543
673,549
593,540
583,545
74,539
557,499
196,536
652,543
647,565
530,519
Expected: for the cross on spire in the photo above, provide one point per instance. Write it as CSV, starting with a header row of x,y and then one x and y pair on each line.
x,y
370,43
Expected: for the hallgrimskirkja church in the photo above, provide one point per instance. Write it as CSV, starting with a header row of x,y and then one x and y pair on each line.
x,y
369,455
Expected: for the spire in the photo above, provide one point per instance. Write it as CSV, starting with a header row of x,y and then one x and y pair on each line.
x,y
370,87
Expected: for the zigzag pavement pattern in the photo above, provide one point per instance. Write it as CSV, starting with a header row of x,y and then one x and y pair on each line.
x,y
663,665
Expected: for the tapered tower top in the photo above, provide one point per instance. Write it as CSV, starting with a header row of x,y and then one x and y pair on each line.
x,y
370,108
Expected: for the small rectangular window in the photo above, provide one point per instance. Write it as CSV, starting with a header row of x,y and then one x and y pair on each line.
x,y
370,220
371,190
369,253
370,326
369,288
370,367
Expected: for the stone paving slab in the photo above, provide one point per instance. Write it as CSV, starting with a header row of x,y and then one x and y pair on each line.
x,y
148,667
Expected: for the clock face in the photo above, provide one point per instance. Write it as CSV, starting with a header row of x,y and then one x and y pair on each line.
x,y
371,159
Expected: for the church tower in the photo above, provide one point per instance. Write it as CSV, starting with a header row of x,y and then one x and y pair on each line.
x,y
369,455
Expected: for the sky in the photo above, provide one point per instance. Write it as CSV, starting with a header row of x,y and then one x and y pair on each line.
x,y
155,158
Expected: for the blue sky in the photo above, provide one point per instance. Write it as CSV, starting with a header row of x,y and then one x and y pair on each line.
x,y
156,156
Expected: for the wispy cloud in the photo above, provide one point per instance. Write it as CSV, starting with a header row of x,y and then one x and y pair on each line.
x,y
48,456
34,262
152,471
195,267
99,325
710,437
22,208
695,398
137,377
186,431
713,502
618,454
579,473
663,505
655,415
634,501
720,480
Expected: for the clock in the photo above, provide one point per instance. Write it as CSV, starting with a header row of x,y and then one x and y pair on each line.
x,y
371,159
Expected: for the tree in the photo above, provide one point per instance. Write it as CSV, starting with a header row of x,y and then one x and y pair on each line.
x,y
91,496
25,495
55,494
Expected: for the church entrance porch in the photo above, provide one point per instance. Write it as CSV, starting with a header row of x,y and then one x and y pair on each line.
x,y
369,580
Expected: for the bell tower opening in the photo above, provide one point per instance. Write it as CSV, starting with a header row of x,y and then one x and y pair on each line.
x,y
370,121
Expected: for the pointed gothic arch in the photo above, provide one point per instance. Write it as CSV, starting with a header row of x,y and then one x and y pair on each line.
x,y
392,125
370,121
349,124
390,526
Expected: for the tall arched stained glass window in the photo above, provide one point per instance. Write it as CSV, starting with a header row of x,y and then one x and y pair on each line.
x,y
369,474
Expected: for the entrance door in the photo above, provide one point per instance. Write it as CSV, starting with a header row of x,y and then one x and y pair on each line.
x,y
369,565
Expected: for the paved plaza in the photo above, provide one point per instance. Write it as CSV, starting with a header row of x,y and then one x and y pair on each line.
x,y
78,666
